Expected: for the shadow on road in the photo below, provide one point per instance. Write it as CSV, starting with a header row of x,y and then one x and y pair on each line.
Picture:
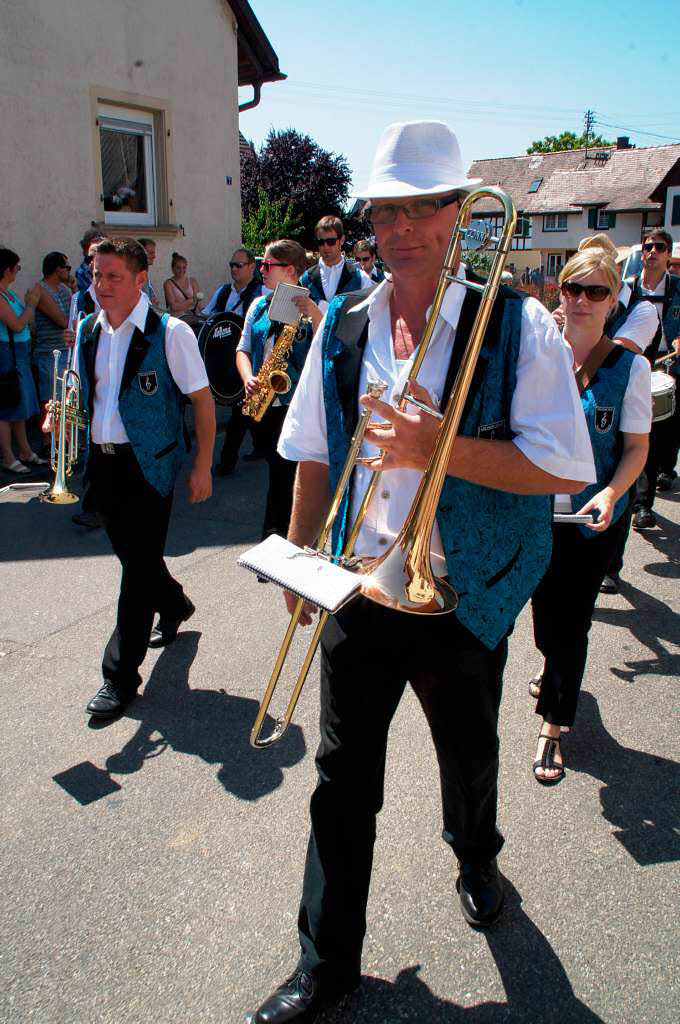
x,y
210,724
651,622
639,795
536,985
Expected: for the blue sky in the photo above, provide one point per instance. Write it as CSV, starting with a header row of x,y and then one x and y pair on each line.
x,y
501,74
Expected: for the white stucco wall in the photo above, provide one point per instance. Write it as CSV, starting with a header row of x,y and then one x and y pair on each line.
x,y
625,232
51,53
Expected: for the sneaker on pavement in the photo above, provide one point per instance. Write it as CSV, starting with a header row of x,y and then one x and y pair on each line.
x,y
643,519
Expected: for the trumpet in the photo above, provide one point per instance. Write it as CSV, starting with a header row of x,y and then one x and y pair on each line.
x,y
67,420
402,578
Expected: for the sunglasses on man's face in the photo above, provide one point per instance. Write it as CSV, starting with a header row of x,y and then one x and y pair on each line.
x,y
327,241
594,292
240,266
659,246
268,264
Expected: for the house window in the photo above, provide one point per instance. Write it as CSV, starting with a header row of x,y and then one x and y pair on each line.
x,y
129,165
555,222
675,211
535,185
554,264
604,220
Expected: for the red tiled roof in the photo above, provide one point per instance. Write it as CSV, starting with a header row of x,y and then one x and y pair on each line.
x,y
624,181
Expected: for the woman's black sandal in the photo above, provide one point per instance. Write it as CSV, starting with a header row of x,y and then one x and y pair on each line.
x,y
548,762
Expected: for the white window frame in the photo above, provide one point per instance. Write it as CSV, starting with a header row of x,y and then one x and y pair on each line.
x,y
602,222
559,222
556,260
141,122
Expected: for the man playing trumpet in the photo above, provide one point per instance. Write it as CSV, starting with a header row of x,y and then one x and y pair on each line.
x,y
523,438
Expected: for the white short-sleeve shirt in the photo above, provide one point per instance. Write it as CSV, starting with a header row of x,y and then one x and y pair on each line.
x,y
181,351
546,413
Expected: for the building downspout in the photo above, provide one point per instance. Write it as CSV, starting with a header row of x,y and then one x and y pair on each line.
x,y
257,89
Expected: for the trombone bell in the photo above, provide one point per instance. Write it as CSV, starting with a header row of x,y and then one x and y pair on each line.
x,y
392,582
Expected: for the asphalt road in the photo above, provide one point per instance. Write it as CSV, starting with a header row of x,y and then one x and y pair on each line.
x,y
151,868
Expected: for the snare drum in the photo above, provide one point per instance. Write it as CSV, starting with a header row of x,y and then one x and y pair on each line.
x,y
663,396
218,335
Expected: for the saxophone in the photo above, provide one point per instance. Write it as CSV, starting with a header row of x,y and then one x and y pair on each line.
x,y
272,378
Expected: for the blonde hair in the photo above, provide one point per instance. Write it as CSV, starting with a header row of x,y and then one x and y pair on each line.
x,y
587,262
599,241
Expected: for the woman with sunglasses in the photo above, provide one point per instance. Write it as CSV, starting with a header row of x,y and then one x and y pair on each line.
x,y
182,292
15,344
284,261
616,397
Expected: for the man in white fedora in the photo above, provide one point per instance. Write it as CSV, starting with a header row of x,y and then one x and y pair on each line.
x,y
523,437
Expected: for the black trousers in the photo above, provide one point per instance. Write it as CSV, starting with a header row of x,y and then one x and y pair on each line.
x,y
136,519
368,655
235,431
562,608
281,472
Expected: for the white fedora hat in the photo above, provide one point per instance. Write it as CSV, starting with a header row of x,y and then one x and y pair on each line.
x,y
416,158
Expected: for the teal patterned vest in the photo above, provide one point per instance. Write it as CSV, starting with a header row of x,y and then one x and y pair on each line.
x,y
149,402
350,281
261,329
497,545
602,402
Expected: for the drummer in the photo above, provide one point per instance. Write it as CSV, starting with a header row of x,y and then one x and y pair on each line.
x,y
246,286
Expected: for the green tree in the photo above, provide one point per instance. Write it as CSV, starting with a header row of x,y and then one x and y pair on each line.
x,y
567,140
293,167
269,220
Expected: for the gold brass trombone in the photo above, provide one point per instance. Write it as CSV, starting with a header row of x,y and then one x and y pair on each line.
x,y
402,577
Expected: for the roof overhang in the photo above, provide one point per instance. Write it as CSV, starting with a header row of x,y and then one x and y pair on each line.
x,y
257,61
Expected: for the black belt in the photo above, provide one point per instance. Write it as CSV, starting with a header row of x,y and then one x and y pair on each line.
x,y
108,448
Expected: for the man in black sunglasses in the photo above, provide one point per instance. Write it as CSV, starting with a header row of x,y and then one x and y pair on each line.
x,y
333,275
236,297
657,285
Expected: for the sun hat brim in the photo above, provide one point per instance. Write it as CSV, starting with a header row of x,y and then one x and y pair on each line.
x,y
405,189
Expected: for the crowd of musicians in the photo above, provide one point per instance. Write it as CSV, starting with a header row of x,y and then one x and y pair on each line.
x,y
558,420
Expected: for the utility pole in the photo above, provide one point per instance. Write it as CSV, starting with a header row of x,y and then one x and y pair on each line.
x,y
588,122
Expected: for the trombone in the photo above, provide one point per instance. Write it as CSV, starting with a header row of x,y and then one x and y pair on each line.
x,y
67,420
402,578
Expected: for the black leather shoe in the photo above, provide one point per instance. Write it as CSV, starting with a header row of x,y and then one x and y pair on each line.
x,y
165,631
299,998
480,887
109,701
664,481
90,520
611,584
643,519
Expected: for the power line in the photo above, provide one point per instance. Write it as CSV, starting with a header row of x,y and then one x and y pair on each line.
x,y
636,131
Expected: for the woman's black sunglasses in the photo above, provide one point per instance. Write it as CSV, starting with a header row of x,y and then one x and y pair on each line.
x,y
594,292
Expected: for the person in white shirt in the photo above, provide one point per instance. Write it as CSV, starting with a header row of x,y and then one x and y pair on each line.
x,y
333,275
523,437
365,253
616,397
658,286
135,366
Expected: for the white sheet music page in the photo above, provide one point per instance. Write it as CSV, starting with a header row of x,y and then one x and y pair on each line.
x,y
281,308
307,575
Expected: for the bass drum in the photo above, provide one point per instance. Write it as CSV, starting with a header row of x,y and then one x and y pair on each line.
x,y
218,335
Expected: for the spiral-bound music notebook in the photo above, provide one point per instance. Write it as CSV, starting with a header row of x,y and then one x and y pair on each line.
x,y
316,579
